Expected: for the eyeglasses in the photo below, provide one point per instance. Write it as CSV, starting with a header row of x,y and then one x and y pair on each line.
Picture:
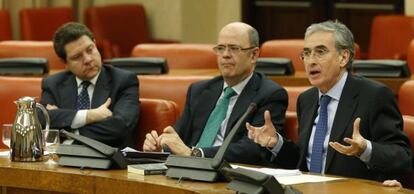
x,y
319,53
233,49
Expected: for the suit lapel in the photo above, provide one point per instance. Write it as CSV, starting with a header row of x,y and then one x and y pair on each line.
x,y
243,101
308,116
102,89
343,116
68,92
204,106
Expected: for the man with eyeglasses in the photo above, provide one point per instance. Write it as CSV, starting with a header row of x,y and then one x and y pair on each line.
x,y
348,125
214,106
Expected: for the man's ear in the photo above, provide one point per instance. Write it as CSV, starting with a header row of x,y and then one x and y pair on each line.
x,y
255,52
344,57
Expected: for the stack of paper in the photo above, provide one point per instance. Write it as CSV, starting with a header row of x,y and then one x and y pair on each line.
x,y
290,177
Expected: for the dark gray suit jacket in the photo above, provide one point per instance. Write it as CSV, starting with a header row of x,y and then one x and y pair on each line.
x,y
381,123
201,100
121,86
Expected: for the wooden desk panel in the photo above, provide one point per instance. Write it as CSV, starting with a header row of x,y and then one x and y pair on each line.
x,y
39,177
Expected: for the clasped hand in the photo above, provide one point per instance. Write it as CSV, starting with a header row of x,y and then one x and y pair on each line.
x,y
169,137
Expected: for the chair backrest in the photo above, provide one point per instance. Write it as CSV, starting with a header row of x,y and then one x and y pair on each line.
x,y
11,89
291,49
409,129
43,49
123,26
172,88
410,56
5,25
390,36
180,56
293,94
41,23
405,98
155,114
408,179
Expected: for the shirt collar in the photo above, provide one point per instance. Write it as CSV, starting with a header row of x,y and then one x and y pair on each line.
x,y
93,80
238,88
336,91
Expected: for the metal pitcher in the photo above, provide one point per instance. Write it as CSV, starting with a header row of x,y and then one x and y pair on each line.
x,y
26,142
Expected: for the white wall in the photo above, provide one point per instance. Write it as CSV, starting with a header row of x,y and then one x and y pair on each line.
x,y
189,21
409,7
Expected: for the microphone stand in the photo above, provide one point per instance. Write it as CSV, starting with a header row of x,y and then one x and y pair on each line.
x,y
205,169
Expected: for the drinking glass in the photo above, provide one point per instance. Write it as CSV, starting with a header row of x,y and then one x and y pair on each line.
x,y
6,134
52,141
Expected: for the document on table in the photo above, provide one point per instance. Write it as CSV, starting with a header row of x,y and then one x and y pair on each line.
x,y
290,177
4,153
304,178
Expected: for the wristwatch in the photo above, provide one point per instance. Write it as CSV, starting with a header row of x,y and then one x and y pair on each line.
x,y
196,152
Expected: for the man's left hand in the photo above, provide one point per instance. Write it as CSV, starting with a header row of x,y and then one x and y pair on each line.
x,y
170,138
51,107
357,144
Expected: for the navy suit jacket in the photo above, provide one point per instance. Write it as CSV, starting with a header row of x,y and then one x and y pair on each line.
x,y
201,100
381,123
121,86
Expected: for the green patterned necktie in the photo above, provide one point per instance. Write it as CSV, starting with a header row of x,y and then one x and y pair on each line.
x,y
215,119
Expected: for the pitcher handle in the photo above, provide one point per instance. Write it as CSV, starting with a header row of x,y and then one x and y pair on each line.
x,y
45,113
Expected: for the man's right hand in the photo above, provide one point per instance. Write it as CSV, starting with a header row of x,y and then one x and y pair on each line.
x,y
150,143
265,135
100,113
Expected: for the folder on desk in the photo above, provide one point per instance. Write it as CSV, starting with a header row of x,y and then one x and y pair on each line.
x,y
139,157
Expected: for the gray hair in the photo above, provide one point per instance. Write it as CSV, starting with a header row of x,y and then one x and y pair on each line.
x,y
344,40
253,37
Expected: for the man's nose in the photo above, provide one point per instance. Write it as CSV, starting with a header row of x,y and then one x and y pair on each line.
x,y
87,58
226,52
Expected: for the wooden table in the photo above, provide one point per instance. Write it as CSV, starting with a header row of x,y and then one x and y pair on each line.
x,y
39,177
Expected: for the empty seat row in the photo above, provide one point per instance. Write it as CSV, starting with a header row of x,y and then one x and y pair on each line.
x,y
116,33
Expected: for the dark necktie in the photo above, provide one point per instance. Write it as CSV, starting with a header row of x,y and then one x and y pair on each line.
x,y
319,137
83,101
215,119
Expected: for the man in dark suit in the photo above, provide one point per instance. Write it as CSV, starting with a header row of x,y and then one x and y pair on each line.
x,y
348,125
237,51
94,100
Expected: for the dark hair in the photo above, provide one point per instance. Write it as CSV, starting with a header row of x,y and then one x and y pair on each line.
x,y
67,33
343,36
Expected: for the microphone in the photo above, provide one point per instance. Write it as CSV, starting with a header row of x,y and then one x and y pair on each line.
x,y
205,169
106,150
92,154
218,158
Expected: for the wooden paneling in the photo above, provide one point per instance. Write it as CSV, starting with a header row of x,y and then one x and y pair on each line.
x,y
287,19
